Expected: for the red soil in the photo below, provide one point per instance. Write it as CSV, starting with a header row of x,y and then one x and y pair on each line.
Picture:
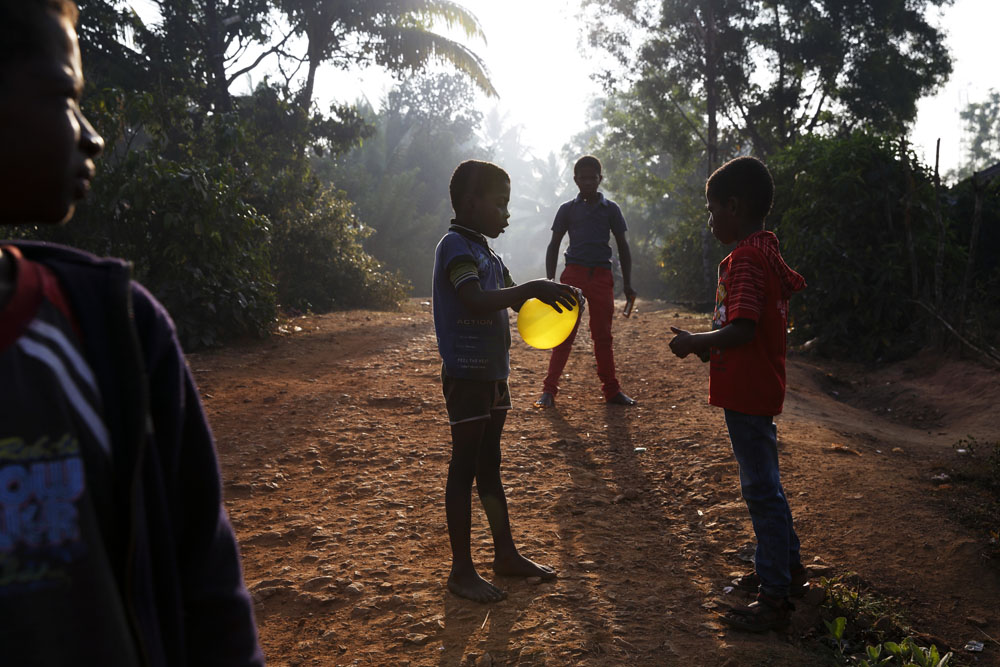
x,y
334,446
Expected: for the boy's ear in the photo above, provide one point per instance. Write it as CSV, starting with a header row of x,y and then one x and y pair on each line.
x,y
467,204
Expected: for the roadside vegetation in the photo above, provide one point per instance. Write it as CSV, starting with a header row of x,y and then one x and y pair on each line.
x,y
865,629
236,201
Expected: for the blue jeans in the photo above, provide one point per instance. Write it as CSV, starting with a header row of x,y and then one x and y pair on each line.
x,y
755,445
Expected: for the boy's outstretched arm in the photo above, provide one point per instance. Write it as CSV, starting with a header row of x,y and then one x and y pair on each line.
x,y
483,302
736,333
552,254
625,259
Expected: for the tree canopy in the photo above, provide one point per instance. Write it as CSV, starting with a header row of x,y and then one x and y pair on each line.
x,y
232,201
982,134
763,73
212,192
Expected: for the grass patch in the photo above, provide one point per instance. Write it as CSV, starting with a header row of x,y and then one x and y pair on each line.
x,y
868,630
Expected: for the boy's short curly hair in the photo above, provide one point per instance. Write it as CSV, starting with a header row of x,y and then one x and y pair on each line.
x,y
23,33
587,161
746,178
475,177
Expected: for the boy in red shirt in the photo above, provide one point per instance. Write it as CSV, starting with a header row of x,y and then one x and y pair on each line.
x,y
747,379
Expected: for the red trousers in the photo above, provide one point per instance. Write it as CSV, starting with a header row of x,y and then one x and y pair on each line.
x,y
598,289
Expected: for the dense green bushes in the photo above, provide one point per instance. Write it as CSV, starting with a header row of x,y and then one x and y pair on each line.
x,y
858,217
885,253
197,245
181,219
221,216
211,192
854,216
320,263
979,315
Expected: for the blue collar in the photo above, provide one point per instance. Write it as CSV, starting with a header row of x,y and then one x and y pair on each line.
x,y
470,234
600,199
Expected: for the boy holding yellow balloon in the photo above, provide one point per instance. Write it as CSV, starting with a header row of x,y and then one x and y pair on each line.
x,y
472,291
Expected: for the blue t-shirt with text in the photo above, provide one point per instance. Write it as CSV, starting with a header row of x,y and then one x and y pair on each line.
x,y
472,346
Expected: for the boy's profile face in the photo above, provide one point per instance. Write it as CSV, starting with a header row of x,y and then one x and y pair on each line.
x,y
724,219
587,178
488,213
47,162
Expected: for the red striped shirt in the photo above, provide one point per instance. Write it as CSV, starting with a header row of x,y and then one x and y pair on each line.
x,y
754,284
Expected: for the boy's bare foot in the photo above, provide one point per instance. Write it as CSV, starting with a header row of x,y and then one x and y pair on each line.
x,y
473,587
546,400
519,566
621,399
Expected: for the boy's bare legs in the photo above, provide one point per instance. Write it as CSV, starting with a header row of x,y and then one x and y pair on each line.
x,y
506,559
464,581
476,455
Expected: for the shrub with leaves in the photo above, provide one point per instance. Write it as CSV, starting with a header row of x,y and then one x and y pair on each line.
x,y
855,216
860,627
212,214
184,223
321,265
981,314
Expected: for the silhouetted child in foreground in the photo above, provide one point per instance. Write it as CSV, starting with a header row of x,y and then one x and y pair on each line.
x,y
472,292
115,548
746,349
591,220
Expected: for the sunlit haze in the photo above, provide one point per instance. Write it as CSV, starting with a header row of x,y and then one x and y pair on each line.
x,y
538,63
535,60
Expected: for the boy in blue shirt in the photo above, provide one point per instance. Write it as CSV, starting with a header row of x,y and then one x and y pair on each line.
x,y
115,549
590,220
472,291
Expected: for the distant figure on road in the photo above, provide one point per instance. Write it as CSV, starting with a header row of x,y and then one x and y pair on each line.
x,y
472,291
590,220
115,549
747,378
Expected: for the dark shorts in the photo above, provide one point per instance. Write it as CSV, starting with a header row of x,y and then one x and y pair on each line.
x,y
469,400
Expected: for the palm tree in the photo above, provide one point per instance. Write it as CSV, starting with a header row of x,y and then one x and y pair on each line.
x,y
397,34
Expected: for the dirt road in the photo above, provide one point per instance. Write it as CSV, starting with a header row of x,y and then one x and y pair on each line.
x,y
334,446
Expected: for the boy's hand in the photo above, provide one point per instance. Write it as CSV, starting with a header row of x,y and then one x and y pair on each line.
x,y
683,343
629,292
557,295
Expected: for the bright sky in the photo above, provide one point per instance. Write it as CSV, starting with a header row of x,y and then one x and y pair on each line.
x,y
971,29
537,64
533,55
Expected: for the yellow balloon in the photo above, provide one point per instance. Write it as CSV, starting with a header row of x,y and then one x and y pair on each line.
x,y
542,327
